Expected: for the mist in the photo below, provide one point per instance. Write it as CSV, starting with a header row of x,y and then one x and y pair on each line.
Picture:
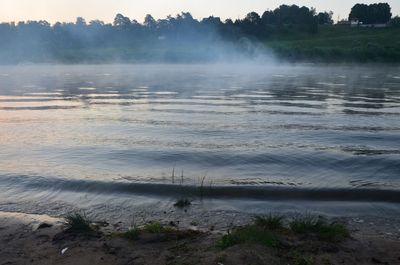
x,y
174,39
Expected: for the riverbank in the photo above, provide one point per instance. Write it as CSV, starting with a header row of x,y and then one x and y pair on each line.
x,y
41,239
330,44
333,44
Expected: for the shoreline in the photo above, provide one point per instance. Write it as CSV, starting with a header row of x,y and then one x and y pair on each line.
x,y
22,240
269,190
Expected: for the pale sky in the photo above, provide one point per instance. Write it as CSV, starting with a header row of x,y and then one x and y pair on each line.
x,y
68,10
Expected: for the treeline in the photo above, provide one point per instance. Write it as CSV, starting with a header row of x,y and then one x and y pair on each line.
x,y
183,25
173,38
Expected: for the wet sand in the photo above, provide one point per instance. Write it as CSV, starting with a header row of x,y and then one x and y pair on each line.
x,y
24,241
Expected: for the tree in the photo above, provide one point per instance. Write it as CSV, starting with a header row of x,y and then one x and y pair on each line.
x,y
325,18
96,23
268,17
371,14
395,22
150,22
253,18
121,21
80,22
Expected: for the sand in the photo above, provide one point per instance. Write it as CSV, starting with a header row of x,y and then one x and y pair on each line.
x,y
24,241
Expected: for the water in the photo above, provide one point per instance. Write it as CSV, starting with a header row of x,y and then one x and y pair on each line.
x,y
311,127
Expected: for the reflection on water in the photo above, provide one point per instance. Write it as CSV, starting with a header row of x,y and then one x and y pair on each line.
x,y
306,126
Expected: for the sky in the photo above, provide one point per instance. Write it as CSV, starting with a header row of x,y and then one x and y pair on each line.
x,y
68,10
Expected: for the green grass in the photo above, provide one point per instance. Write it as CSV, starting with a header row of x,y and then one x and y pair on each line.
x,y
338,44
78,222
155,227
131,234
272,222
267,230
323,230
249,233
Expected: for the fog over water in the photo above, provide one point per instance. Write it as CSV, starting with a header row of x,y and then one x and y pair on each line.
x,y
88,127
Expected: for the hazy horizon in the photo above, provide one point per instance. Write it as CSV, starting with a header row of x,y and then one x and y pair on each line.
x,y
105,10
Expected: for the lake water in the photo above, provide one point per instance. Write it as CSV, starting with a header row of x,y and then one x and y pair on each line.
x,y
279,126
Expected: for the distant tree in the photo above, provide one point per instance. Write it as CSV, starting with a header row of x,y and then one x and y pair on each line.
x,y
253,18
251,24
150,22
395,22
302,18
371,14
325,18
121,21
382,12
229,22
214,21
268,17
360,12
96,23
80,22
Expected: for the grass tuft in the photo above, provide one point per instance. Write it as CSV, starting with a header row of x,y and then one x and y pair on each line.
x,y
334,232
157,228
78,222
131,234
249,233
272,222
305,224
182,203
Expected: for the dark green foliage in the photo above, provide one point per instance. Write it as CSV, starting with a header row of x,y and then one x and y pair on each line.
x,y
302,18
395,22
325,18
371,14
249,233
77,222
271,222
323,230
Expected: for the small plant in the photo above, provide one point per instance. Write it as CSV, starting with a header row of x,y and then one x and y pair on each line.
x,y
131,234
326,231
305,224
272,222
153,227
249,233
77,222
201,188
182,203
333,232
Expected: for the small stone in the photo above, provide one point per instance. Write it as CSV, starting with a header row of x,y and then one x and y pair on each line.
x,y
63,251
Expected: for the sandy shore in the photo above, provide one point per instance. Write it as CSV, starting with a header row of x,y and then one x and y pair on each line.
x,y
41,239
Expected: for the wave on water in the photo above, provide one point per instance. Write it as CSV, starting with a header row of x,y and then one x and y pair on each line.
x,y
260,192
